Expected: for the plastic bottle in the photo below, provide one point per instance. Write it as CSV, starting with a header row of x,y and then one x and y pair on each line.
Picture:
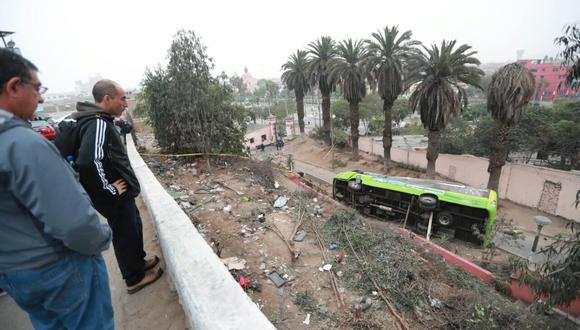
x,y
70,160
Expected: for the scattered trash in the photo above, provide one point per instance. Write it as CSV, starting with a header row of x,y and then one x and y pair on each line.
x,y
363,304
281,201
184,198
245,199
326,267
175,187
276,278
322,311
375,293
276,184
245,283
436,303
194,171
285,276
185,205
216,190
300,235
315,200
332,246
340,258
263,265
307,320
339,273
261,217
228,209
234,263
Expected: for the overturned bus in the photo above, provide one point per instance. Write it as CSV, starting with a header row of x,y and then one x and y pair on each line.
x,y
463,212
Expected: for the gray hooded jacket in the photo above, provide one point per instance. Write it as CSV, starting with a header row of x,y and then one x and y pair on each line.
x,y
44,211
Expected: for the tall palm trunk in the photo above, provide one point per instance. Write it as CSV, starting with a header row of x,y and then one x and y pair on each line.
x,y
300,110
354,121
387,133
433,147
498,155
326,117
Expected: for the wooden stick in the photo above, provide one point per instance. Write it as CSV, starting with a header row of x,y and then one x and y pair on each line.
x,y
290,248
429,227
331,275
408,211
301,211
328,152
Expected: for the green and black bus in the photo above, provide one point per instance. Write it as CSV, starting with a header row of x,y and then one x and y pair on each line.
x,y
460,211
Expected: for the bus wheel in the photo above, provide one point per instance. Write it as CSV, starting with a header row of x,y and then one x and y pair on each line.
x,y
445,219
428,202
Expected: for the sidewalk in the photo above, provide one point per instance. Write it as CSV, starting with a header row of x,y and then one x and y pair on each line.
x,y
155,307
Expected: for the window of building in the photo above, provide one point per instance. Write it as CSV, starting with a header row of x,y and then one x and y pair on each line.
x,y
543,69
533,70
251,140
555,69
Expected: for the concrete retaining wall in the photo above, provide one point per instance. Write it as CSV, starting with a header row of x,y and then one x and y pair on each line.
x,y
210,297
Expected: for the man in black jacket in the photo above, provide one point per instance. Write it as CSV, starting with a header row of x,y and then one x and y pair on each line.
x,y
107,176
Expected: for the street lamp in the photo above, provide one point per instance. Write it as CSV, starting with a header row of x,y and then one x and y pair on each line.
x,y
5,34
540,221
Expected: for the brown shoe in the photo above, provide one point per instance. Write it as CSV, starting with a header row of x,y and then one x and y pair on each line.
x,y
150,263
149,278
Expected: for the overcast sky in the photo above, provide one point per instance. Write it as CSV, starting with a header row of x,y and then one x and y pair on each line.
x,y
73,40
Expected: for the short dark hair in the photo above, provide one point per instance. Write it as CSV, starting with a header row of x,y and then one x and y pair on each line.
x,y
104,87
13,65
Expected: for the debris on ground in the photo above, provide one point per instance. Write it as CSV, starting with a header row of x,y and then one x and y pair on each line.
x,y
234,263
300,235
390,285
280,202
278,280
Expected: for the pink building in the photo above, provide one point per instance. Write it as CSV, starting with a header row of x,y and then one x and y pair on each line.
x,y
548,75
249,81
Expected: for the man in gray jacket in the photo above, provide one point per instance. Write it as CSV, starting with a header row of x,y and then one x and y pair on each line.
x,y
51,238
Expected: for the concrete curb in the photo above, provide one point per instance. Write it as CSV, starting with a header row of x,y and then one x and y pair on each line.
x,y
210,297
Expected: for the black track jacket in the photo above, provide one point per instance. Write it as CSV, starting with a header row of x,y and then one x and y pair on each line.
x,y
102,158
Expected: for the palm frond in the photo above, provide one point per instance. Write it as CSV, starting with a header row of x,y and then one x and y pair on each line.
x,y
440,74
511,88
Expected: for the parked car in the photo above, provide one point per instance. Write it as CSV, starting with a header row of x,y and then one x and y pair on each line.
x,y
44,128
61,118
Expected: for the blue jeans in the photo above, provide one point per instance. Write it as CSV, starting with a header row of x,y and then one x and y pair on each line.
x,y
72,293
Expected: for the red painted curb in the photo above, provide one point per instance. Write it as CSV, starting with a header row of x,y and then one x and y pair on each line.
x,y
451,257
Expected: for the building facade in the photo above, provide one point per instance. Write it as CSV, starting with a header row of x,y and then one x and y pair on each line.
x,y
549,74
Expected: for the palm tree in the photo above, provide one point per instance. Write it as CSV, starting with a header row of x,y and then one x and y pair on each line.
x,y
442,75
348,70
511,88
323,51
388,53
295,78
